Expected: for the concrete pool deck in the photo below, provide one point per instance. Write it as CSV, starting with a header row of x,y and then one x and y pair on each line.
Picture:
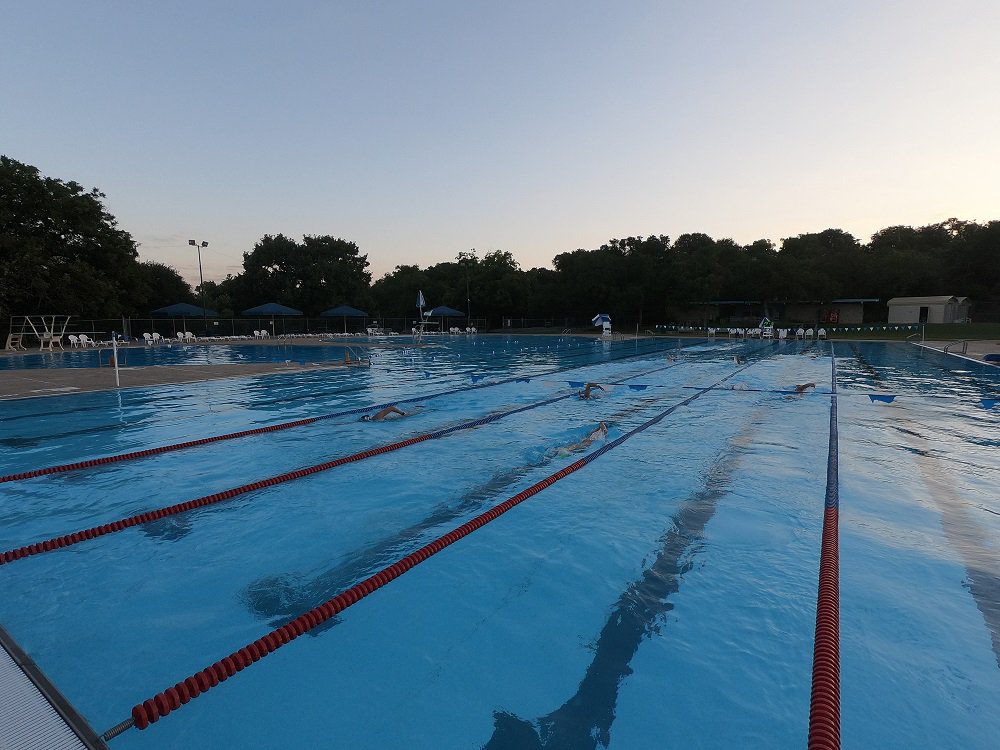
x,y
55,381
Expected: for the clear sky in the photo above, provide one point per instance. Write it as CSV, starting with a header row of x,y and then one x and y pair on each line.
x,y
422,128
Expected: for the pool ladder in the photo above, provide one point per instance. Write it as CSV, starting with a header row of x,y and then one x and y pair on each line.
x,y
963,342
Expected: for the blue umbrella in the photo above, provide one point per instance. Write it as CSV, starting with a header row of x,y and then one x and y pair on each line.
x,y
272,308
345,312
183,309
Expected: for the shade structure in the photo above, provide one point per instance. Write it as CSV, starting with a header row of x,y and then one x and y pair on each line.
x,y
601,319
184,310
345,312
443,311
272,308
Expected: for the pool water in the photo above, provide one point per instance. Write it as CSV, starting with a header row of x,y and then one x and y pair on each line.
x,y
664,594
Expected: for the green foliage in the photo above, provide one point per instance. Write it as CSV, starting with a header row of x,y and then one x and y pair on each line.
x,y
60,250
314,275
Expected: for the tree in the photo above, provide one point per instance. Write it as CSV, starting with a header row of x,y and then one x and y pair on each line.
x,y
60,250
319,273
158,285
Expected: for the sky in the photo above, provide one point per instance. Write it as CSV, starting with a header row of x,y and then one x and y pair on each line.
x,y
423,129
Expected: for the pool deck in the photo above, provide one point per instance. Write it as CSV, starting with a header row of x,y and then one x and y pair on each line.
x,y
55,381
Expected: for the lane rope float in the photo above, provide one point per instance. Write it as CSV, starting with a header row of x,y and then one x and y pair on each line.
x,y
151,710
132,455
67,540
824,702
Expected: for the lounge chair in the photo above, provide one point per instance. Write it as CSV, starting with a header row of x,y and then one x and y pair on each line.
x,y
85,340
188,336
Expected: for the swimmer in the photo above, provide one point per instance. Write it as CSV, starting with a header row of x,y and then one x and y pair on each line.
x,y
383,414
601,431
737,359
803,387
587,388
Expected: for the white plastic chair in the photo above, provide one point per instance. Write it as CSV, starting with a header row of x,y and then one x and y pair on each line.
x,y
148,337
188,336
74,341
85,340
800,333
809,333
821,333
157,338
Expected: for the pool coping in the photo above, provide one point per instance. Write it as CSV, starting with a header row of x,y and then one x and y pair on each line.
x,y
32,704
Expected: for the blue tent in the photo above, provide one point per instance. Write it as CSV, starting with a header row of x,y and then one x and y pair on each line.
x,y
184,310
271,308
444,312
345,312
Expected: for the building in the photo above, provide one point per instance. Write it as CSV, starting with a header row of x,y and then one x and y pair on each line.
x,y
929,309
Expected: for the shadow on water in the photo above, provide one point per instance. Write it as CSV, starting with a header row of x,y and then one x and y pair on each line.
x,y
280,599
584,721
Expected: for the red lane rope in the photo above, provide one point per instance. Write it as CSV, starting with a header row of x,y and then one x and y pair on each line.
x,y
153,451
824,705
152,515
271,428
161,704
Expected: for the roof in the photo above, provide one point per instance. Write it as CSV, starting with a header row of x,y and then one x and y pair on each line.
x,y
272,308
182,309
859,299
444,311
941,300
344,311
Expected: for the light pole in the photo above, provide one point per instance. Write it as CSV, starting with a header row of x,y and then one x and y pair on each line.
x,y
201,287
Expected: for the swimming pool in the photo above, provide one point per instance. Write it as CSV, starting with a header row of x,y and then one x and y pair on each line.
x,y
663,594
176,353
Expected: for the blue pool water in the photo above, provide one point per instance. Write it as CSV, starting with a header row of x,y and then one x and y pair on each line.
x,y
175,353
662,596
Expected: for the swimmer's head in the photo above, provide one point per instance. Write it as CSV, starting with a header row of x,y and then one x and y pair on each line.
x,y
366,418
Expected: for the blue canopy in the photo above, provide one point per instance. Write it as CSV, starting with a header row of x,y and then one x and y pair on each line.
x,y
184,310
600,319
444,312
272,308
344,311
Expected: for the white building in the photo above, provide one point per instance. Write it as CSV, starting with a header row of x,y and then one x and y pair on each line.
x,y
928,309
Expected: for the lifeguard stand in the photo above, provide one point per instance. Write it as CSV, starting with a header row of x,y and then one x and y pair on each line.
x,y
603,320
48,329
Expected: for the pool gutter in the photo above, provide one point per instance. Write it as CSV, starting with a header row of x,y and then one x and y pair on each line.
x,y
33,713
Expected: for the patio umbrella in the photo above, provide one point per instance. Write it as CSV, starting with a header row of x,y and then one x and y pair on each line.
x,y
345,312
443,311
183,310
270,309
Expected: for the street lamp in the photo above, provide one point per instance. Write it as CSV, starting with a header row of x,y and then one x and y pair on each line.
x,y
201,286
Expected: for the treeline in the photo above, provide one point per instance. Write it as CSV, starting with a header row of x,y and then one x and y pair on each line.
x,y
62,252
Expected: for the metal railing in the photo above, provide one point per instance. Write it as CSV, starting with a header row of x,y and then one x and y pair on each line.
x,y
963,342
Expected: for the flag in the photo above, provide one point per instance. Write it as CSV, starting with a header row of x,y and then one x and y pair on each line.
x,y
420,299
